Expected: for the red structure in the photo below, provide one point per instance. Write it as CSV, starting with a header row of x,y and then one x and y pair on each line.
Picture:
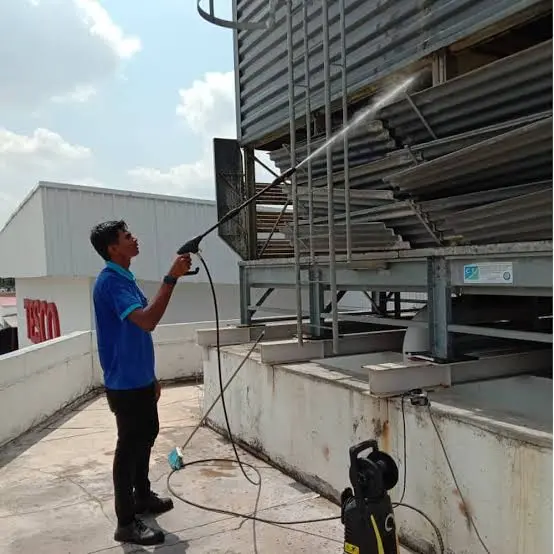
x,y
43,322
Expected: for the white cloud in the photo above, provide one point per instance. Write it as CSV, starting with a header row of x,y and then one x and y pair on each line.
x,y
42,147
186,179
207,108
41,156
58,49
79,95
100,24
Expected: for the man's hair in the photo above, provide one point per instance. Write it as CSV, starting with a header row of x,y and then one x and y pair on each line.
x,y
105,234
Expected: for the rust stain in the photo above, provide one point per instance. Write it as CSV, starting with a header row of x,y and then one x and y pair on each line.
x,y
465,510
385,436
381,432
326,452
208,472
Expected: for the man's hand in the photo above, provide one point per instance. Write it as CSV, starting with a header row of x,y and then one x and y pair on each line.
x,y
181,266
158,389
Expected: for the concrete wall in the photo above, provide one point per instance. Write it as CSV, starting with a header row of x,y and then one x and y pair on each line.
x,y
177,354
38,380
306,418
71,296
191,302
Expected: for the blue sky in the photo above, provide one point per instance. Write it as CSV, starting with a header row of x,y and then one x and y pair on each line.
x,y
115,93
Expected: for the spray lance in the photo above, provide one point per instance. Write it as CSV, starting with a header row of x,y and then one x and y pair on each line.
x,y
192,246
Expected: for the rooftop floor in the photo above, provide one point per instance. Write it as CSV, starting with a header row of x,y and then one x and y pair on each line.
x,y
56,490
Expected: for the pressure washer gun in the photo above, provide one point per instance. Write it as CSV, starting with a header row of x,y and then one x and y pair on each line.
x,y
366,513
192,246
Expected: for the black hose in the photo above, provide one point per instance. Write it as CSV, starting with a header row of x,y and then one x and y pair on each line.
x,y
242,464
237,459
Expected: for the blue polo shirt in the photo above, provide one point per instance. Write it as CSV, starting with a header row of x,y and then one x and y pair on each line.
x,y
126,352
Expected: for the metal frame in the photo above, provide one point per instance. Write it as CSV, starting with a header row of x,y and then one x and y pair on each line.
x,y
437,271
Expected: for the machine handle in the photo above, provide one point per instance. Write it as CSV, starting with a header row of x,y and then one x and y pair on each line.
x,y
193,272
355,450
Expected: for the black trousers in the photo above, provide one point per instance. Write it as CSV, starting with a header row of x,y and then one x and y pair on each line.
x,y
136,414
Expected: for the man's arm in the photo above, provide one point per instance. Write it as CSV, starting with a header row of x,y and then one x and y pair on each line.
x,y
149,317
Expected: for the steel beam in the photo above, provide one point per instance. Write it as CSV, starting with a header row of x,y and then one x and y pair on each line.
x,y
501,333
439,298
391,375
244,292
288,351
403,277
230,336
316,302
485,274
505,365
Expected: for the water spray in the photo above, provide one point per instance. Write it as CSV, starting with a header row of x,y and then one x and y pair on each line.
x,y
192,246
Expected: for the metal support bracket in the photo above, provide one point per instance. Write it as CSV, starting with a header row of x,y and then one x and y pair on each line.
x,y
316,292
439,296
260,302
244,287
266,23
420,115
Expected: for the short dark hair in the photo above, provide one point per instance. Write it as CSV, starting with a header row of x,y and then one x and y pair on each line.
x,y
105,234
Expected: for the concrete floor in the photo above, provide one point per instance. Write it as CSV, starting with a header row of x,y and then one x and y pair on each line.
x,y
56,491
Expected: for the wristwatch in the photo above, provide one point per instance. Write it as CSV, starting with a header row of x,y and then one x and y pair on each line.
x,y
169,280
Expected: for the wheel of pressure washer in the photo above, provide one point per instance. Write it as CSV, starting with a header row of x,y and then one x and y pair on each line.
x,y
390,474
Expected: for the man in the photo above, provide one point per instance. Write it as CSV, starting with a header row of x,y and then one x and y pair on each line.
x,y
124,322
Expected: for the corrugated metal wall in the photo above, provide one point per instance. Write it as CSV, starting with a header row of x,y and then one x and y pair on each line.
x,y
382,36
161,224
22,251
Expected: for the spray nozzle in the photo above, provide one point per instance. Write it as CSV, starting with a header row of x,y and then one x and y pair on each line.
x,y
190,247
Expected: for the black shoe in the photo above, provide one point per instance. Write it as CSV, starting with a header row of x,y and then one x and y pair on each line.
x,y
153,504
138,533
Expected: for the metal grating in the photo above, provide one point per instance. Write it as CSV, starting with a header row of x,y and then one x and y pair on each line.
x,y
366,237
230,191
359,199
445,221
367,143
382,37
515,157
504,221
406,218
512,87
371,175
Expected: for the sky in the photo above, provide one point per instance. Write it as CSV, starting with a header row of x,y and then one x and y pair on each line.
x,y
113,93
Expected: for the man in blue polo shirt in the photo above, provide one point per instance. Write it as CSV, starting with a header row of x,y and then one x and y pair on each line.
x,y
124,322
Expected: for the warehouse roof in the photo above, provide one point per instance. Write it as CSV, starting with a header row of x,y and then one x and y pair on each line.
x,y
48,234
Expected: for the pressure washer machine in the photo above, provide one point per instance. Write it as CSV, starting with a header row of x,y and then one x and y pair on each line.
x,y
366,511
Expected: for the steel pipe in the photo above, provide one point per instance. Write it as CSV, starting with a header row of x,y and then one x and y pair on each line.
x,y
307,92
346,163
330,196
292,132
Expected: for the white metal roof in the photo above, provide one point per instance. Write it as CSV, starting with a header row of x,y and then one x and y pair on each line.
x,y
48,234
